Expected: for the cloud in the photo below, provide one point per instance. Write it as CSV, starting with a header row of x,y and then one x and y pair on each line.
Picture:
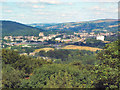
x,y
22,16
97,8
8,11
116,10
37,6
41,13
103,9
96,0
2,0
58,10
70,3
63,15
51,1
0,7
58,1
43,1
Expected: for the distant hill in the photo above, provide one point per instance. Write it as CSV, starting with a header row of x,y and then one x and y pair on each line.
x,y
95,25
17,29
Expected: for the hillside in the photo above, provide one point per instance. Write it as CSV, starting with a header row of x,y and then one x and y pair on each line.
x,y
95,25
17,29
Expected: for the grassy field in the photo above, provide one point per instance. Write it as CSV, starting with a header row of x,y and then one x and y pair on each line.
x,y
70,47
43,49
81,48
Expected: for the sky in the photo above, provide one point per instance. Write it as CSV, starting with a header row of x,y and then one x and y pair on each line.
x,y
57,11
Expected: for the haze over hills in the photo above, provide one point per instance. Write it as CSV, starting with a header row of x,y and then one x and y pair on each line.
x,y
18,29
99,25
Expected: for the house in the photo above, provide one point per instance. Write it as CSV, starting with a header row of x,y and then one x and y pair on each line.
x,y
92,33
100,38
41,34
32,53
67,40
57,39
6,37
41,40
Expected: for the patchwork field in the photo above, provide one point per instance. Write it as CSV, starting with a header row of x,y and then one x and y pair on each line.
x,y
70,47
43,49
81,48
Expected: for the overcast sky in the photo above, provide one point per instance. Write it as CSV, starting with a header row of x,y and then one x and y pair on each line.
x,y
57,11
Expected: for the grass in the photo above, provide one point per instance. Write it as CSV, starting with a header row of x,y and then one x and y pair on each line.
x,y
43,49
70,47
81,48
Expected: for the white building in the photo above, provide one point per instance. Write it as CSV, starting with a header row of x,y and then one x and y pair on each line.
x,y
100,38
57,39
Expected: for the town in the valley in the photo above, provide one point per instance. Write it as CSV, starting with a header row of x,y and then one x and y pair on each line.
x,y
57,40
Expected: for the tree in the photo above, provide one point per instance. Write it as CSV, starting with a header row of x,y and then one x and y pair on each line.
x,y
60,80
107,71
11,78
9,56
110,56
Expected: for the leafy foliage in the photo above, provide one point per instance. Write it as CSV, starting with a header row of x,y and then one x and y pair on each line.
x,y
27,72
11,77
15,67
108,69
56,75
92,43
67,56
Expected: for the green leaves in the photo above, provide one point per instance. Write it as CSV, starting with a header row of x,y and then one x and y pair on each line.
x,y
27,72
7,56
11,77
109,76
58,76
60,80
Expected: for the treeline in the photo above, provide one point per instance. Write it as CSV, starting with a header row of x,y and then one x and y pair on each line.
x,y
112,38
92,43
27,72
29,49
67,56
